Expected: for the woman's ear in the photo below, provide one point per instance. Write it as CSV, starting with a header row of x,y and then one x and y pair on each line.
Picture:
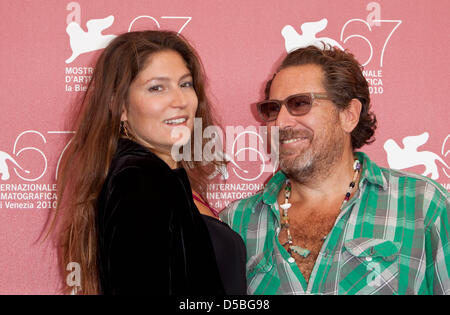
x,y
124,116
350,116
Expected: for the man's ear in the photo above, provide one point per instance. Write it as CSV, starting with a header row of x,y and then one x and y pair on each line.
x,y
350,116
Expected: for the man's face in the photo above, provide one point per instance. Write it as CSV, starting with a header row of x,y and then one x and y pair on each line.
x,y
310,144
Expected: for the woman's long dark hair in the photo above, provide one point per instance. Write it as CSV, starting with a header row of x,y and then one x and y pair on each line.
x,y
86,162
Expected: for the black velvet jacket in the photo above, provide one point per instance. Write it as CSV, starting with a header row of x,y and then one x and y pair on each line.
x,y
140,194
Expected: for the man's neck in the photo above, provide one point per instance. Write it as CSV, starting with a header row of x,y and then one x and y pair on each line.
x,y
326,185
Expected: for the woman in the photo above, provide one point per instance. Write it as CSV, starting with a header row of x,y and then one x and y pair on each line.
x,y
119,182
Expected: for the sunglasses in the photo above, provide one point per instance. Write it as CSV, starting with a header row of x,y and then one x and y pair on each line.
x,y
297,105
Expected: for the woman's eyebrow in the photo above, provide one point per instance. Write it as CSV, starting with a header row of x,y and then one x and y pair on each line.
x,y
184,76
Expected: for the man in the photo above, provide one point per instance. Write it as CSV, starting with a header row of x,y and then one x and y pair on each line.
x,y
331,221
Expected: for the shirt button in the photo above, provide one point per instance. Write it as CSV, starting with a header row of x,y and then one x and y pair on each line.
x,y
291,260
278,230
368,258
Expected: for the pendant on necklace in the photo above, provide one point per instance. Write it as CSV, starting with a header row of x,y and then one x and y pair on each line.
x,y
300,250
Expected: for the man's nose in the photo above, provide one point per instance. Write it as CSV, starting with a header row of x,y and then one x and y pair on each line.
x,y
284,118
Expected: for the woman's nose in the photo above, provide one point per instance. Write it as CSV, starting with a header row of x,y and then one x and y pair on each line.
x,y
179,98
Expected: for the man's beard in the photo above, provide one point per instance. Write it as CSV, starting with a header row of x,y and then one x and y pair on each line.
x,y
315,161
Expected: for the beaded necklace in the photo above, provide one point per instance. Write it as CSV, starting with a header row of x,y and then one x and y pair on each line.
x,y
304,252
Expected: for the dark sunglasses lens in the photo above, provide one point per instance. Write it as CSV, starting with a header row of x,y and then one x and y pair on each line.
x,y
268,110
299,104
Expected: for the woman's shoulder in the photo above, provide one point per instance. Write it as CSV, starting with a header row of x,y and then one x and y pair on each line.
x,y
137,179
131,155
136,168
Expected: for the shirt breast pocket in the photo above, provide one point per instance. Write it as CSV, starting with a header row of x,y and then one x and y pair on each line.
x,y
369,266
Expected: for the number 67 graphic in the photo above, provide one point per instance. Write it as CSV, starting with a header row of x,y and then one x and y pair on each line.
x,y
187,18
398,22
17,152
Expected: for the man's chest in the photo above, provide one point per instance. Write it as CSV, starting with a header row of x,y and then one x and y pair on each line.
x,y
307,233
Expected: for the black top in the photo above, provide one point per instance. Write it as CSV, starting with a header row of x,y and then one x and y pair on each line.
x,y
230,255
140,193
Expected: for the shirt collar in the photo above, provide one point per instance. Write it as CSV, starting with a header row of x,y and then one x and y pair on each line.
x,y
370,171
270,193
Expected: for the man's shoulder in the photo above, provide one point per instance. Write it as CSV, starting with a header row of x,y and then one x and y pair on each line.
x,y
421,193
407,182
240,208
401,182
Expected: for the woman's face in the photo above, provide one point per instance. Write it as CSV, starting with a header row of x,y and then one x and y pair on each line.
x,y
161,98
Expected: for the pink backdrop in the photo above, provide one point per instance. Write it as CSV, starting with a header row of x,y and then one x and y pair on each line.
x,y
404,46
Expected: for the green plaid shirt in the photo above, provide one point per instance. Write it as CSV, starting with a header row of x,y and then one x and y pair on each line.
x,y
392,237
